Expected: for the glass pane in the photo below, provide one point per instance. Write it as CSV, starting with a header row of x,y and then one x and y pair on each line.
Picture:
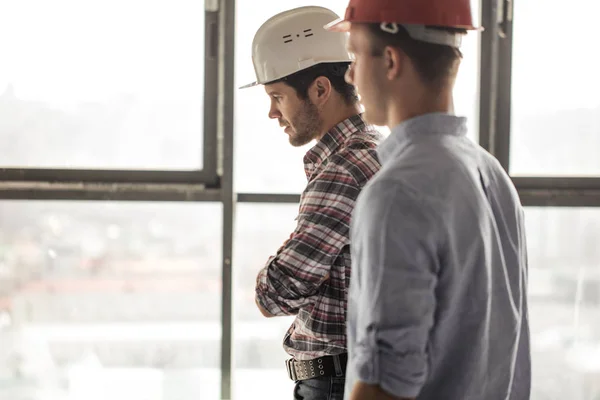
x,y
564,290
260,142
102,84
109,301
555,102
259,354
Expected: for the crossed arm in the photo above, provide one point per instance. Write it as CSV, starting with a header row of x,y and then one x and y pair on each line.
x,y
301,265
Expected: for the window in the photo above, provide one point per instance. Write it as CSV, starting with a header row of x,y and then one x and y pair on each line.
x,y
122,300
555,81
109,300
114,84
260,230
265,161
564,301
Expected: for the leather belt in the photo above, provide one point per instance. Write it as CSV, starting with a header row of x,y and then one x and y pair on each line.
x,y
317,368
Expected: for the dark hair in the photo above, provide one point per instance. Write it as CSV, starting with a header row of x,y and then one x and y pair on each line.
x,y
434,62
335,72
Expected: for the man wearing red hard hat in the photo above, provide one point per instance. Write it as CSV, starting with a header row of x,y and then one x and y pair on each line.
x,y
437,305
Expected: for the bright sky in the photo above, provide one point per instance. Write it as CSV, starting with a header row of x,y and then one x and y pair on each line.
x,y
65,51
68,50
556,65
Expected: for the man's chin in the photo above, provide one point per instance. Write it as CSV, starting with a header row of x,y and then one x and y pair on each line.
x,y
299,142
295,143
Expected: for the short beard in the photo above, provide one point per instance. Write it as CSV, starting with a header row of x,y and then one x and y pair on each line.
x,y
306,124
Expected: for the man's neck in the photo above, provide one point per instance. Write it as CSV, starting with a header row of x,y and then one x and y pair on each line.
x,y
337,115
420,103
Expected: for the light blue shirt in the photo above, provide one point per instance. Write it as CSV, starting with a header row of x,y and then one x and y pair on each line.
x,y
437,304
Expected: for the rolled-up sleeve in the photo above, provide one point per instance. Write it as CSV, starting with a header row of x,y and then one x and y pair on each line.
x,y
303,263
395,264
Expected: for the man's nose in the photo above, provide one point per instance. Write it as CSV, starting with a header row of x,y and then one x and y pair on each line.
x,y
274,113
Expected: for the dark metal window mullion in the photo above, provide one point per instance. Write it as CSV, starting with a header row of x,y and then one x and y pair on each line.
x,y
211,92
226,134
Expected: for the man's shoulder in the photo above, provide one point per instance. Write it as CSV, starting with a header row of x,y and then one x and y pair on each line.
x,y
358,156
386,200
365,137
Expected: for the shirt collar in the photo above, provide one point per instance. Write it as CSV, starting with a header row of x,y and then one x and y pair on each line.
x,y
423,125
331,142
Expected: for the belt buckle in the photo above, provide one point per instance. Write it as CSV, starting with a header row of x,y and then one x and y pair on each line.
x,y
290,369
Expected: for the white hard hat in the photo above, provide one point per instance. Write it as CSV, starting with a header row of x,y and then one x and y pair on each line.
x,y
295,40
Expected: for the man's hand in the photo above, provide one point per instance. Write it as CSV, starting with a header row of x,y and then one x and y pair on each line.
x,y
363,391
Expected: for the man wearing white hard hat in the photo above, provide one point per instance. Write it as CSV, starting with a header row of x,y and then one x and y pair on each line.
x,y
302,68
438,293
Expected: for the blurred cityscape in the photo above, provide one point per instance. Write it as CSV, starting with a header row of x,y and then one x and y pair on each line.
x,y
135,287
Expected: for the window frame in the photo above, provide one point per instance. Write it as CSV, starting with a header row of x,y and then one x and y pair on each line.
x,y
495,117
207,175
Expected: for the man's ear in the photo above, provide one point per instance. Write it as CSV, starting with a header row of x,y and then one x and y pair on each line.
x,y
394,59
320,90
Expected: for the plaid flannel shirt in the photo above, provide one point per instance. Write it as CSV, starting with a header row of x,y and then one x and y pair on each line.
x,y
310,274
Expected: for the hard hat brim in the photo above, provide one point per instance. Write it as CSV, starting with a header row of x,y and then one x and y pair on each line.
x,y
343,25
339,25
249,85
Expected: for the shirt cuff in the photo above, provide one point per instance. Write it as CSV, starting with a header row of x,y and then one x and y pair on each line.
x,y
399,375
262,294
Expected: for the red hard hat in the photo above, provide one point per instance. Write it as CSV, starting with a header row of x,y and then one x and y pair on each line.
x,y
444,13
